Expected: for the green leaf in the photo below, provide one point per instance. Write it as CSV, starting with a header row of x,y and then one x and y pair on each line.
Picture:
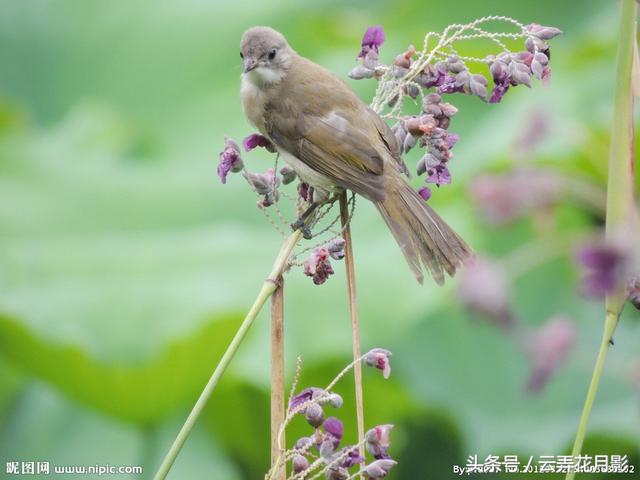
x,y
141,394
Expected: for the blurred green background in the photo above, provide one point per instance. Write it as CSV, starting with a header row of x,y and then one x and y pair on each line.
x,y
125,265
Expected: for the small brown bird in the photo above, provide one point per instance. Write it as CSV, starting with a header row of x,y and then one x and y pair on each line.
x,y
334,142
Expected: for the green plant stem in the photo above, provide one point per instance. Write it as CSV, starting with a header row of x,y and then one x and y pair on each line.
x,y
620,197
268,287
609,328
620,189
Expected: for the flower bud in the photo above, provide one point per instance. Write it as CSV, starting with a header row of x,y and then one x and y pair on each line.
x,y
530,44
334,427
499,70
304,444
519,74
409,143
432,98
314,415
288,175
421,166
399,72
399,132
402,61
455,65
462,79
336,248
448,110
335,472
262,183
379,468
412,90
425,193
299,463
478,86
379,358
371,60
335,400
360,72
542,32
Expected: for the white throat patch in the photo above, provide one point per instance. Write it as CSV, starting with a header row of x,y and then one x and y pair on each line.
x,y
265,76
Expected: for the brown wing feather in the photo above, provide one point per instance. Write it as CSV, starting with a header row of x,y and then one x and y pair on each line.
x,y
331,132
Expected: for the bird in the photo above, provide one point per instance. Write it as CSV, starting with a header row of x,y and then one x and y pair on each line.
x,y
335,142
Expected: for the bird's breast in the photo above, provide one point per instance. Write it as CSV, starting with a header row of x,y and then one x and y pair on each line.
x,y
253,100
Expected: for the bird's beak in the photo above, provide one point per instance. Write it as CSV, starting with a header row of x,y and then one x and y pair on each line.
x,y
249,64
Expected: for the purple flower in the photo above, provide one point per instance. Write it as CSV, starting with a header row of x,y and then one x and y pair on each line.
x,y
605,265
377,441
548,349
304,396
379,468
484,289
256,140
303,191
499,90
379,358
432,75
230,160
449,84
439,175
372,39
318,266
352,457
425,193
452,139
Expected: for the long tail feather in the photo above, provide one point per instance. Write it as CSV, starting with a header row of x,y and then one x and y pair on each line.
x,y
424,238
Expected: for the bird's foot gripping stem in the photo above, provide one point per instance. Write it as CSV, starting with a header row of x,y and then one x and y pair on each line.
x,y
301,223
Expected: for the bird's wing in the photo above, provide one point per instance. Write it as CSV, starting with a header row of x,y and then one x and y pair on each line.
x,y
336,147
389,139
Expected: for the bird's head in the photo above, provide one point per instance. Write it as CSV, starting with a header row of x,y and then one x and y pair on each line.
x,y
266,55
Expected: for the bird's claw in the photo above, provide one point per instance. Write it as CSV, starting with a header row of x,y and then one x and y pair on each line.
x,y
301,225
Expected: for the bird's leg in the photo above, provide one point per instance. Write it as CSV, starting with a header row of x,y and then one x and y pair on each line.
x,y
301,222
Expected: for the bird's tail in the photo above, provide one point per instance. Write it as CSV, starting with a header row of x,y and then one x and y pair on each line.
x,y
425,239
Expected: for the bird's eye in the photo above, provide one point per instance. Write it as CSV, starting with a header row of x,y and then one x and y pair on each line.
x,y
272,54
241,55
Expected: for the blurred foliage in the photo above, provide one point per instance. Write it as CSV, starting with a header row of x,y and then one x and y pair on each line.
x,y
121,256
